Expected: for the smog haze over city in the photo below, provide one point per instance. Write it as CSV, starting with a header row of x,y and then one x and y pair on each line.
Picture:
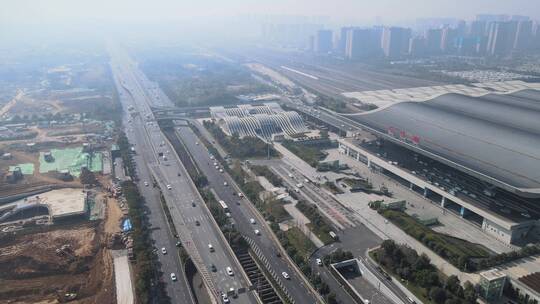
x,y
329,152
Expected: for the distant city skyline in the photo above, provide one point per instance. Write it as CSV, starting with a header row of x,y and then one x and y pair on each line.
x,y
37,21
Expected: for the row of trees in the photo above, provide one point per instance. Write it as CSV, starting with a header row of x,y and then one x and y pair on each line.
x,y
303,263
465,255
126,154
252,189
268,174
415,269
458,252
337,256
507,257
318,223
233,236
242,148
142,243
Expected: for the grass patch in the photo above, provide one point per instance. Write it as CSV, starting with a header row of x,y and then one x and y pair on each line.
x,y
297,239
418,291
310,154
268,174
457,251
420,276
321,234
275,209
318,224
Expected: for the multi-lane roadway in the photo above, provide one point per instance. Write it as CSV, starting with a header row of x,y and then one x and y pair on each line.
x,y
242,212
191,218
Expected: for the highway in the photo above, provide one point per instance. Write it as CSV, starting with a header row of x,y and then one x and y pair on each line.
x,y
195,226
161,233
242,211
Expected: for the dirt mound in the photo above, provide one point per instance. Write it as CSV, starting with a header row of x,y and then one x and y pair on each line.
x,y
42,266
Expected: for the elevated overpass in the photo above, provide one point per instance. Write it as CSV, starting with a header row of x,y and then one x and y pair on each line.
x,y
167,113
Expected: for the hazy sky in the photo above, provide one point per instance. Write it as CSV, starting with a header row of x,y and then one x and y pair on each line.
x,y
31,20
36,11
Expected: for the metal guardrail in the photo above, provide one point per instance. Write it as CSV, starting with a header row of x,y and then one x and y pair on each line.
x,y
276,241
183,233
187,240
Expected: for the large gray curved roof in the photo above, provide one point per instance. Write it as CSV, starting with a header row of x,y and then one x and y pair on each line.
x,y
497,136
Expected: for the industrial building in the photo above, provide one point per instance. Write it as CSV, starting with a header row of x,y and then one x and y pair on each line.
x,y
264,121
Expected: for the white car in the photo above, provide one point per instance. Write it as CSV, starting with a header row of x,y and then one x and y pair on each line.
x,y
163,250
211,156
210,247
215,163
220,170
229,271
285,275
319,262
169,187
197,143
225,298
225,184
252,220
240,194
173,276
146,184
257,232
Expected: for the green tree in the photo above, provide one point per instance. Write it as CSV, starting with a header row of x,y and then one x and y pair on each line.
x,y
331,298
324,289
453,301
452,284
469,292
437,294
423,262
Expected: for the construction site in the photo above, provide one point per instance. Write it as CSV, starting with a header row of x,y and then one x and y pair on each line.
x,y
60,222
62,217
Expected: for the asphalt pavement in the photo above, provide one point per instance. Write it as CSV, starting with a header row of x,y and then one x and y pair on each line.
x,y
242,213
162,236
138,94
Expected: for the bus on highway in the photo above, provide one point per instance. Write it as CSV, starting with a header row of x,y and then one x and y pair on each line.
x,y
224,206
